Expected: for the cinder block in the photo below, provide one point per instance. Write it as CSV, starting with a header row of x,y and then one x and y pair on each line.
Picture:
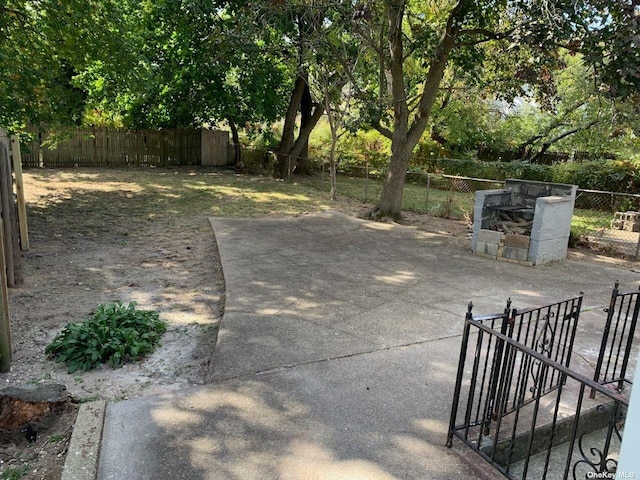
x,y
490,236
514,253
526,264
490,249
517,241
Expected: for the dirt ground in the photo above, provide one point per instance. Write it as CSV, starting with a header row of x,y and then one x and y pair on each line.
x,y
85,250
98,236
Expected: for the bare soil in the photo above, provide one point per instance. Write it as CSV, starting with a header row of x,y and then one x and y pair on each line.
x,y
99,236
87,247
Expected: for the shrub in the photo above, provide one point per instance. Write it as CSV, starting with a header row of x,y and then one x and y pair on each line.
x,y
490,170
113,334
610,175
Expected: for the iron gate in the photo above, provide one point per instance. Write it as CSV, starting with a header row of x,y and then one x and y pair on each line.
x,y
518,399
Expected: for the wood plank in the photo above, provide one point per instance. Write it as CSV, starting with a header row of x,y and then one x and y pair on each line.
x,y
4,208
22,206
6,351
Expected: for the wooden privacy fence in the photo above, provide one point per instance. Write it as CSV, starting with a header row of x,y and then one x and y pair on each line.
x,y
101,147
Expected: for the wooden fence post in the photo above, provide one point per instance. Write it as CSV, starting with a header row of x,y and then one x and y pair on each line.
x,y
5,330
5,325
22,207
4,210
11,244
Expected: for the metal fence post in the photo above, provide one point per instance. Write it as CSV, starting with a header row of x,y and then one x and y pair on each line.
x,y
366,181
426,195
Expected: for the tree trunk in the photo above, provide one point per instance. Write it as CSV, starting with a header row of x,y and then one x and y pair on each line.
x,y
288,132
332,155
236,141
302,163
390,204
405,138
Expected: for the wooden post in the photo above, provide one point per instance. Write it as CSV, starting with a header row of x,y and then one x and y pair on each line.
x,y
9,220
5,326
22,207
5,210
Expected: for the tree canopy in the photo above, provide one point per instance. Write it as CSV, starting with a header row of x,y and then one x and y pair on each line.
x,y
452,68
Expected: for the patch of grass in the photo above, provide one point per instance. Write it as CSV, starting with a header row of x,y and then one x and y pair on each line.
x,y
446,203
56,438
14,473
590,220
114,334
158,193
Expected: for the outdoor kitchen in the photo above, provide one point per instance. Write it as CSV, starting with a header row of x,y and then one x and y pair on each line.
x,y
527,222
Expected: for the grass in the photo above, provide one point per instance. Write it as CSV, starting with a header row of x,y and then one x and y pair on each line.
x,y
109,195
442,200
157,193
444,203
590,220
14,473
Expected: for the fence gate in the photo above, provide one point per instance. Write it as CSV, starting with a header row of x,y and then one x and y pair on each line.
x,y
516,400
617,338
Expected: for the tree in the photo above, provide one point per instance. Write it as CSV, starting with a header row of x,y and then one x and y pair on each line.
x,y
313,34
421,39
43,46
196,69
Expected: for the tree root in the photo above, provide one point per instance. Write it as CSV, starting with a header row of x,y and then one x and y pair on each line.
x,y
378,214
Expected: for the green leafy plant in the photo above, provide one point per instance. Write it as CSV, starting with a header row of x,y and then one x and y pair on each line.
x,y
113,334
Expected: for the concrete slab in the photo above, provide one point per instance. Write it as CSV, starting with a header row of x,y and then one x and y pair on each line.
x,y
336,356
380,415
81,462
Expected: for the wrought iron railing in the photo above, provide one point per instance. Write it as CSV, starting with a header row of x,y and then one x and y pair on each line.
x,y
522,408
617,339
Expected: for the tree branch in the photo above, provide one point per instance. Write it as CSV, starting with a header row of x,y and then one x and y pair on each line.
x,y
436,71
546,145
384,131
487,35
558,122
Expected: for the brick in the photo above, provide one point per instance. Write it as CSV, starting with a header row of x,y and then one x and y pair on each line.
x,y
517,241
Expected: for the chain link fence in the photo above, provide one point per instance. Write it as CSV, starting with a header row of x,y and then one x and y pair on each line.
x,y
606,221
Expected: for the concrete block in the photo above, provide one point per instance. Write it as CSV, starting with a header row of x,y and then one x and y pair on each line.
x,y
490,236
552,218
490,249
550,250
517,241
519,254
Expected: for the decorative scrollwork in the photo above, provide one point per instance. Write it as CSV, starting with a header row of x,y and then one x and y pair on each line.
x,y
599,460
544,340
543,344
